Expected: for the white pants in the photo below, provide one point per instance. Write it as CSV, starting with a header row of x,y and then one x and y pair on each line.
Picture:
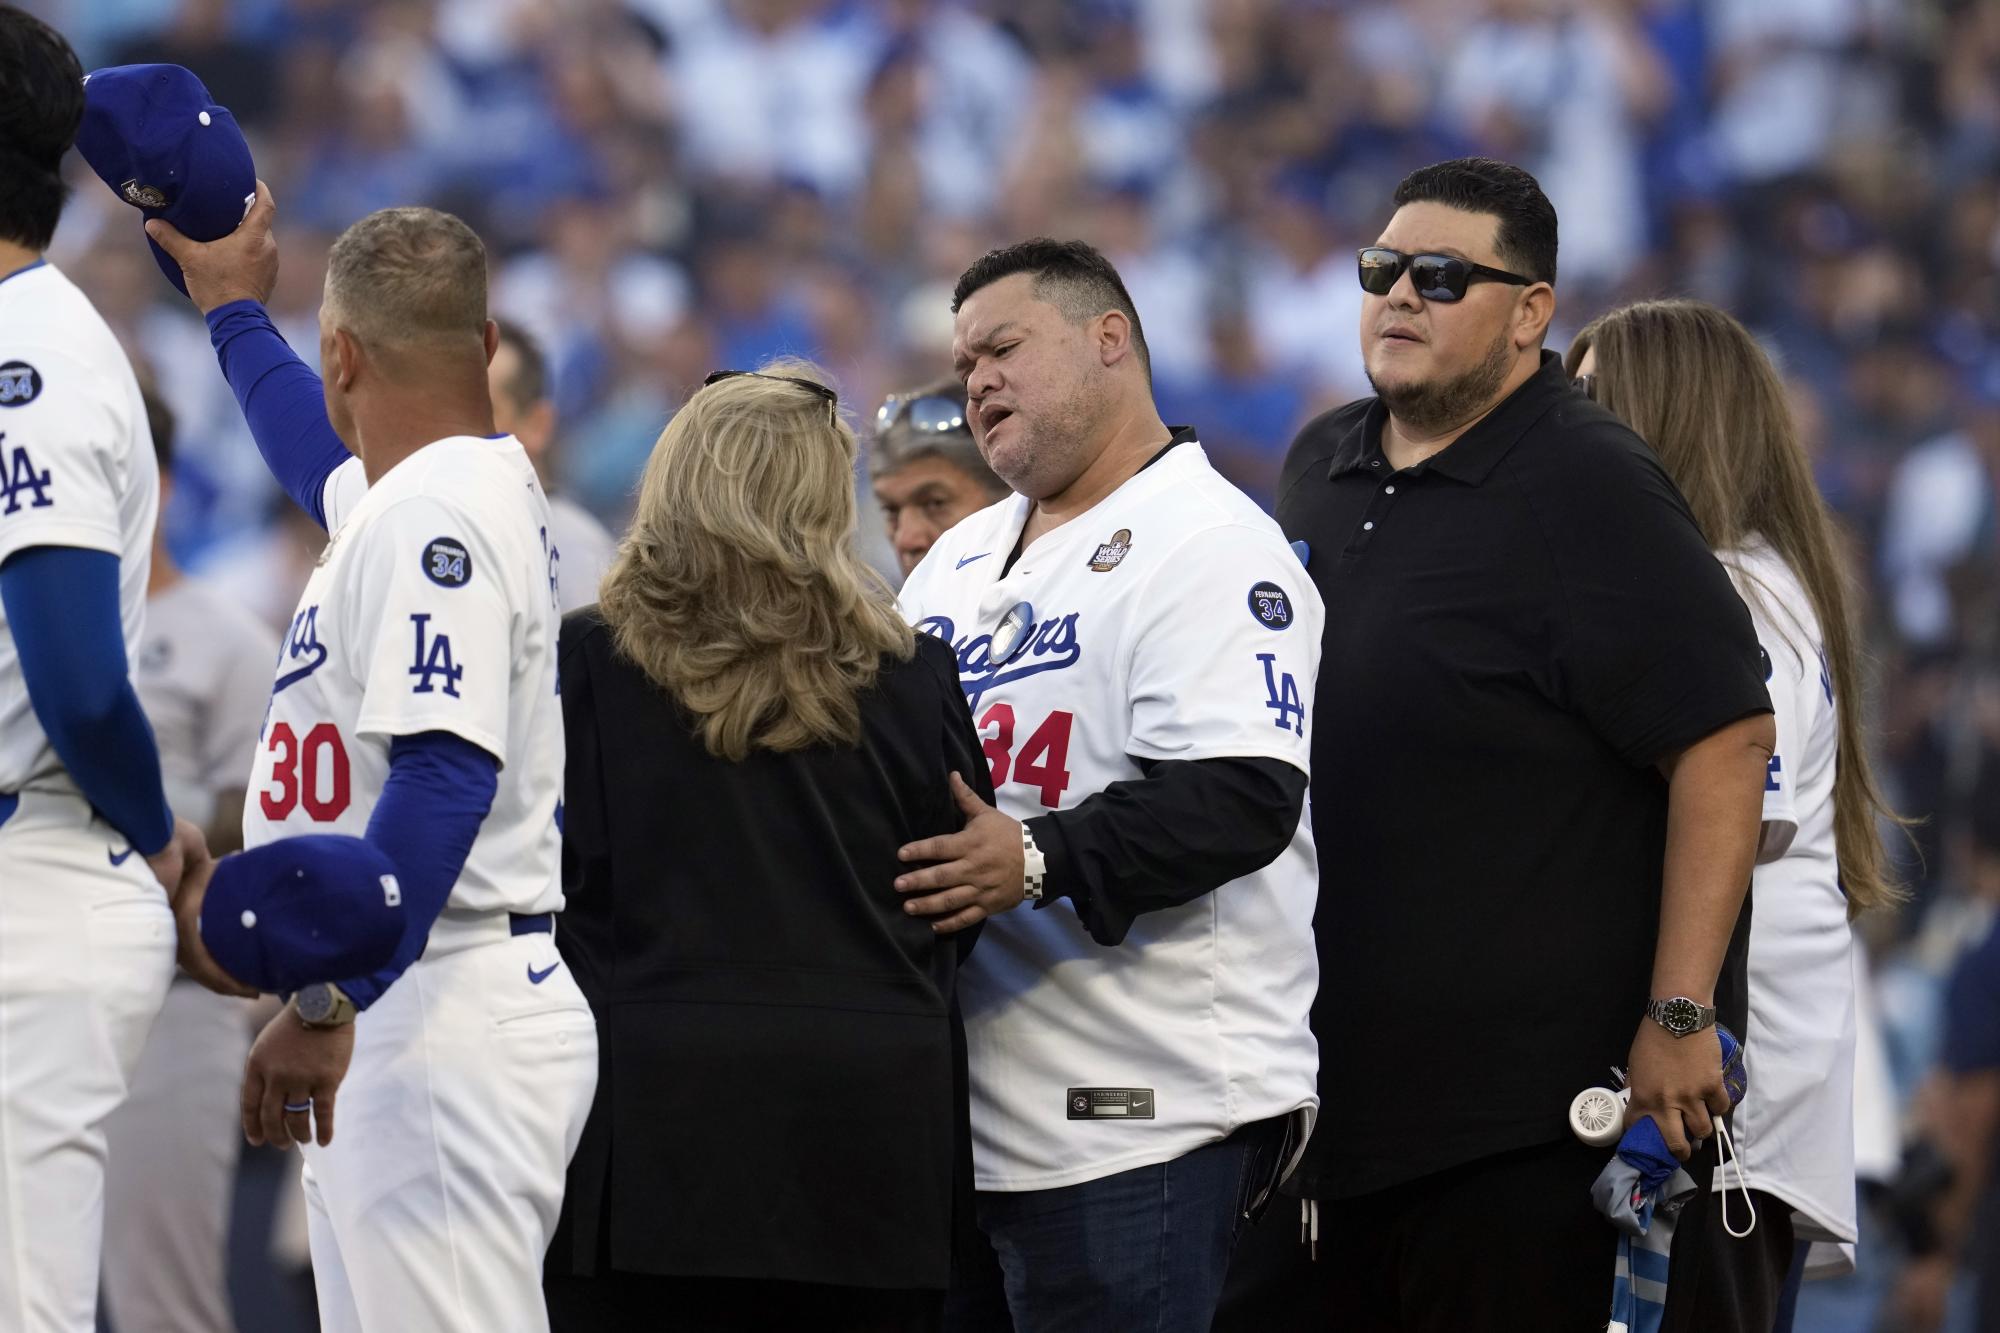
x,y
434,1205
86,954
174,1146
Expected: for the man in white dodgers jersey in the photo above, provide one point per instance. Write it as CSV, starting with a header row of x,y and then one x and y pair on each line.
x,y
89,850
1138,645
415,701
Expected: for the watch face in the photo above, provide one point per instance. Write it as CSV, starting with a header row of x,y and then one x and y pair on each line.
x,y
1680,1015
315,1003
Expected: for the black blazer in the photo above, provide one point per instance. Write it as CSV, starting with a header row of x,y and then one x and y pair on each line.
x,y
781,1081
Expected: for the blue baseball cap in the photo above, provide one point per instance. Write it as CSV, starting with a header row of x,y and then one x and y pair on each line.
x,y
155,136
303,910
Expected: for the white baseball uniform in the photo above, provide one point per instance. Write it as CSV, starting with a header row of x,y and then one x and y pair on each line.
x,y
1171,621
204,673
1795,1127
434,609
86,938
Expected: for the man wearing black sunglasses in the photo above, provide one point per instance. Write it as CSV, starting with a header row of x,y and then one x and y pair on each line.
x,y
925,469
1537,772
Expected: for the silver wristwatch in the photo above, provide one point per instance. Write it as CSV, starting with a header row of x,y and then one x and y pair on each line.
x,y
324,1005
1680,1015
1034,866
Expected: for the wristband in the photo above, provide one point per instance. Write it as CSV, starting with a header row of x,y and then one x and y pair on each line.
x,y
1034,866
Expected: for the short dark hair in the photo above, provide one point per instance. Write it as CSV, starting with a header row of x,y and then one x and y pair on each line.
x,y
160,420
41,105
1527,237
529,383
1070,275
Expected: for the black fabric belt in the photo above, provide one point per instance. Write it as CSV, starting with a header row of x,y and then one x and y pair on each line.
x,y
542,923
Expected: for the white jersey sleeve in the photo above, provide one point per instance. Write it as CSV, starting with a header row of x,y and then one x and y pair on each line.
x,y
62,454
433,625
1224,651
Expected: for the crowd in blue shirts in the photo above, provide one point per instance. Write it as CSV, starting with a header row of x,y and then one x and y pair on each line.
x,y
669,186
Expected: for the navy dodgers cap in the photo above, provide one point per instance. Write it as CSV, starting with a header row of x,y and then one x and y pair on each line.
x,y
155,136
303,910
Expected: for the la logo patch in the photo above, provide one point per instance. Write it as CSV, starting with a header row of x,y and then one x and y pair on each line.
x,y
1111,552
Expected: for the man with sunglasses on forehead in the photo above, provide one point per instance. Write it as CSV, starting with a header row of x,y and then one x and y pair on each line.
x,y
1538,773
925,468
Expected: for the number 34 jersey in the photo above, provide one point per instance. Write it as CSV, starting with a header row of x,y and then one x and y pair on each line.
x,y
433,608
1169,622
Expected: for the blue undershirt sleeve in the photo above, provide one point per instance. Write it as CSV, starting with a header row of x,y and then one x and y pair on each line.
x,y
63,614
439,790
281,398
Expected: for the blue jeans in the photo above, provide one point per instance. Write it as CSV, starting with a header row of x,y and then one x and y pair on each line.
x,y
1143,1251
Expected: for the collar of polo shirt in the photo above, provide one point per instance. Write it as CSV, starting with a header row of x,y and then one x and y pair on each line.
x,y
1472,456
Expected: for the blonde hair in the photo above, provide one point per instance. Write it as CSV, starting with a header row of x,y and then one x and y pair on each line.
x,y
738,589
1697,388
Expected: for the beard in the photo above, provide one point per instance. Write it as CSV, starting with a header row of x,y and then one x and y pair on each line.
x,y
1438,405
1051,447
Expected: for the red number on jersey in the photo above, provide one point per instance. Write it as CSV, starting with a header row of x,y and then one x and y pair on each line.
x,y
302,771
284,772
1044,760
997,746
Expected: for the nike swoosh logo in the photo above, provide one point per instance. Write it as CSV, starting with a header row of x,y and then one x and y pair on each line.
x,y
118,858
970,558
537,978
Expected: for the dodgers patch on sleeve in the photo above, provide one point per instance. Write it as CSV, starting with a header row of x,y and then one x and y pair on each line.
x,y
447,563
1271,607
20,384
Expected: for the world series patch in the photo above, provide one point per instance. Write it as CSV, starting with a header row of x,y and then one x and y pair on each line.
x,y
1270,605
142,196
1111,552
1111,1103
447,563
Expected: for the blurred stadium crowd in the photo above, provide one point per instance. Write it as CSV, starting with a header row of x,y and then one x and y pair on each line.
x,y
669,186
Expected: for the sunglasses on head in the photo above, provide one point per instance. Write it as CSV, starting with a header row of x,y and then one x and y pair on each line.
x,y
927,414
814,386
1436,277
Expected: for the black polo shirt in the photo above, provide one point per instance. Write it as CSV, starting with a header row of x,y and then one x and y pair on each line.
x,y
1517,630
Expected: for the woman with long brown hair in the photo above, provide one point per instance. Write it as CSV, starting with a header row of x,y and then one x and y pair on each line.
x,y
1699,390
779,1138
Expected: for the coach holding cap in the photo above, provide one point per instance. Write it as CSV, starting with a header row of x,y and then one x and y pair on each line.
x,y
1138,646
1538,772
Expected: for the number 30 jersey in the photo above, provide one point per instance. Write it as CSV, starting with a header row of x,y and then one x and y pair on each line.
x,y
1169,622
433,608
